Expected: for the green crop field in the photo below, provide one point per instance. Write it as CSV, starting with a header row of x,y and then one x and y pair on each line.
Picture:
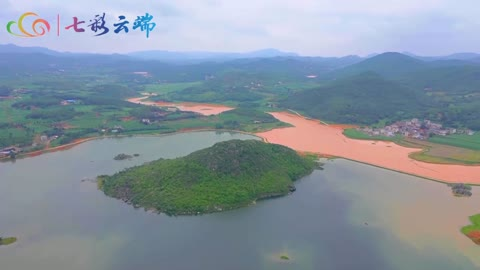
x,y
464,141
165,88
356,134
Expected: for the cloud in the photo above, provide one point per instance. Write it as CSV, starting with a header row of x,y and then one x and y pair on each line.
x,y
310,27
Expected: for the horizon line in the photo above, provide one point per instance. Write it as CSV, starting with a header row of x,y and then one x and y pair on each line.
x,y
295,54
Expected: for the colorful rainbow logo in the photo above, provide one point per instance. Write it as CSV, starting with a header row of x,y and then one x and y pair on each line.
x,y
44,26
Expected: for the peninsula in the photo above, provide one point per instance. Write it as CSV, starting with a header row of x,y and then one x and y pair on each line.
x,y
226,176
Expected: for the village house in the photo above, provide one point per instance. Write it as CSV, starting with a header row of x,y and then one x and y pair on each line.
x,y
172,109
414,128
160,114
271,105
68,102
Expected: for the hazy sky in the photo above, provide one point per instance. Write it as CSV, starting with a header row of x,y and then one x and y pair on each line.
x,y
308,27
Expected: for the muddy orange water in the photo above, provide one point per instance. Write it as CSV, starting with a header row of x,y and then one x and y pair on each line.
x,y
312,136
201,108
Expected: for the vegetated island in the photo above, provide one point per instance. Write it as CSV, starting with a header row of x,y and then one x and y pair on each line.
x,y
125,156
283,257
226,176
7,241
461,190
473,231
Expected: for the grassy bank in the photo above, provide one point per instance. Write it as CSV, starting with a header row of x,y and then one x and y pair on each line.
x,y
464,141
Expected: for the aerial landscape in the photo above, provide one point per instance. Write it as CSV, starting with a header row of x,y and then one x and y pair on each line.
x,y
184,155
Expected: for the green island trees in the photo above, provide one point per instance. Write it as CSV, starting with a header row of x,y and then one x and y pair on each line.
x,y
226,176
473,231
461,190
122,157
7,241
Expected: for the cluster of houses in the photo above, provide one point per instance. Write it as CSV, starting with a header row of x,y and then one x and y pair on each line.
x,y
115,129
68,102
19,91
414,128
271,105
209,77
15,94
143,73
158,115
253,85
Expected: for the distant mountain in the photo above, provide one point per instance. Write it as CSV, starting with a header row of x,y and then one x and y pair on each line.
x,y
298,66
11,48
443,74
14,49
390,64
334,62
461,56
372,55
196,56
21,60
265,53
451,77
455,56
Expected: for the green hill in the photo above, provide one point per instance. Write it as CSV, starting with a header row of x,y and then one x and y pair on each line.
x,y
225,176
363,99
453,79
396,87
390,64
453,76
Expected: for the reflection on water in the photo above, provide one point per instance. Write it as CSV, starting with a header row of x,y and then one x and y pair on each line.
x,y
349,216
